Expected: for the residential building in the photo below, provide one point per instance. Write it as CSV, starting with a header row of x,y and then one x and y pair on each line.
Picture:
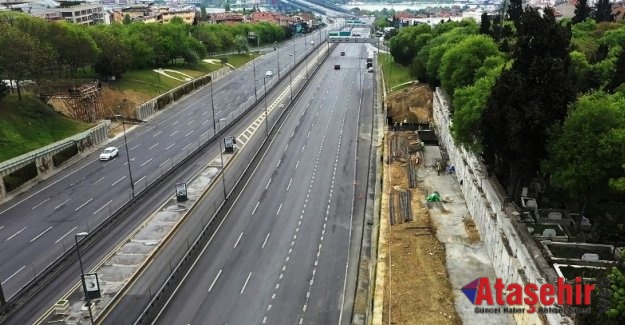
x,y
187,16
84,14
227,18
271,17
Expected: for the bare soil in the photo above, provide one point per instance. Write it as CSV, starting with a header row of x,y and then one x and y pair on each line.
x,y
413,104
417,286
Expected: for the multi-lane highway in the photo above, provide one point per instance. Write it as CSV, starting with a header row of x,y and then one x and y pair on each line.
x,y
281,255
38,225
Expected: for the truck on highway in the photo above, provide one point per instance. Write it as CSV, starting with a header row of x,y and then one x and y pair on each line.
x,y
369,62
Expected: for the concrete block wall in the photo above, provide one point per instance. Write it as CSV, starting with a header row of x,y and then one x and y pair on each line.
x,y
514,255
43,156
150,107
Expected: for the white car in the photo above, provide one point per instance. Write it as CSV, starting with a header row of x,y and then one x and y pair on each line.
x,y
268,74
109,153
312,42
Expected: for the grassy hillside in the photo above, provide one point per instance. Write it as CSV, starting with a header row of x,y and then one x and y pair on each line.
x,y
30,124
394,73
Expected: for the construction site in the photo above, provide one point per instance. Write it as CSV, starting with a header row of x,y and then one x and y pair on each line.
x,y
429,246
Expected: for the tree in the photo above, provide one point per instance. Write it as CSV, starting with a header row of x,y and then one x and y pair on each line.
x,y
24,57
603,11
515,10
618,77
582,11
485,24
4,90
524,103
114,58
203,14
594,127
227,5
469,103
127,19
461,61
176,20
240,42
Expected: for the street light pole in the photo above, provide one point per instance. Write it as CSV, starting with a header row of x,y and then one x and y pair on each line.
x,y
278,52
254,65
223,172
290,74
266,114
82,274
132,184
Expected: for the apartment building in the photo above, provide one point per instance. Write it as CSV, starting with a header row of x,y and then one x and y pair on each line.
x,y
84,14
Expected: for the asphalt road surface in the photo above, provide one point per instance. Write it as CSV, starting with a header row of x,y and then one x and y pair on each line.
x,y
281,255
38,225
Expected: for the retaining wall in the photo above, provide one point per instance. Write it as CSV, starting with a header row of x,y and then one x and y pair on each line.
x,y
515,256
153,105
42,157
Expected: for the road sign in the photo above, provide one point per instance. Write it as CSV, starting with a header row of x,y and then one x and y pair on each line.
x,y
335,39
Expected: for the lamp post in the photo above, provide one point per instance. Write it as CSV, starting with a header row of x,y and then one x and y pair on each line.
x,y
255,95
132,184
290,78
278,52
82,274
221,156
266,113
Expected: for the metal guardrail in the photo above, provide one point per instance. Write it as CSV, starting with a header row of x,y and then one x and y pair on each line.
x,y
49,273
157,303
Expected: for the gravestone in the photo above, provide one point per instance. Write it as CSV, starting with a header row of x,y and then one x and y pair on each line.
x,y
549,232
554,215
590,257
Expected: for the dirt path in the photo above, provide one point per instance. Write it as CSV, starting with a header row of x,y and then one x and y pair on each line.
x,y
417,289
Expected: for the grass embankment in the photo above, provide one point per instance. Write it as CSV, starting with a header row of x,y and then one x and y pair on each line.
x,y
152,83
30,124
394,73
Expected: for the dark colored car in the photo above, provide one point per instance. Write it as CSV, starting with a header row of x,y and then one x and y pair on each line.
x,y
337,67
342,53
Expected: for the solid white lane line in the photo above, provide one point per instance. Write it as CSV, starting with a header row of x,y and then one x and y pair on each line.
x,y
176,122
279,161
41,234
206,121
42,202
289,186
185,147
78,208
304,146
190,122
102,207
135,147
280,207
169,146
139,180
245,284
267,186
188,134
60,205
265,242
101,178
2,227
117,181
238,240
256,207
308,135
286,147
171,135
76,182
157,133
67,233
146,162
15,234
212,284
12,275
152,147
297,164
